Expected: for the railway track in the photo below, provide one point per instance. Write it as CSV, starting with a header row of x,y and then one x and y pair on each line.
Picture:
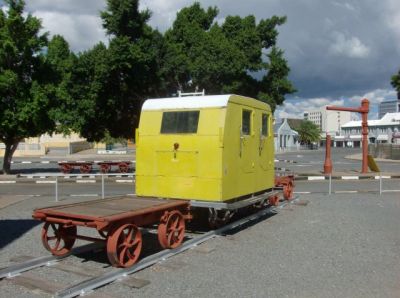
x,y
117,274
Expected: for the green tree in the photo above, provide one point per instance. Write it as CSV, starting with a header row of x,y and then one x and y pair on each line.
x,y
108,84
308,132
396,83
24,84
223,58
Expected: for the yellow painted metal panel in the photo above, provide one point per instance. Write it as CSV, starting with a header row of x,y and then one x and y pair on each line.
x,y
217,163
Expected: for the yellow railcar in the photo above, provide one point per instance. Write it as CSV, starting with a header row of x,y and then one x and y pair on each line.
x,y
208,149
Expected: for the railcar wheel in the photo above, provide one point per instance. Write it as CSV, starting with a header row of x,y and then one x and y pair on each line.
x,y
273,200
65,168
105,168
171,229
85,169
124,245
58,239
123,167
288,190
219,218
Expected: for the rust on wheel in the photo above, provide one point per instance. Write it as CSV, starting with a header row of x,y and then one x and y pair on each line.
x,y
124,245
85,169
288,190
58,239
66,168
123,167
273,200
171,229
105,168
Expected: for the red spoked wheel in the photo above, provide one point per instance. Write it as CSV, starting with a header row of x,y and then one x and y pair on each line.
x,y
105,168
171,229
123,167
85,168
58,239
124,245
273,200
288,190
66,168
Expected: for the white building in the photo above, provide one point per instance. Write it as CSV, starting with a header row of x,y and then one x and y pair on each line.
x,y
389,106
285,137
379,131
328,121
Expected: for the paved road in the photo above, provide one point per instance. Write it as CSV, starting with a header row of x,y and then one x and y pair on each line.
x,y
313,161
306,161
343,245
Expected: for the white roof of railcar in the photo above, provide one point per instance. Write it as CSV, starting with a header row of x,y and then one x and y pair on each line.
x,y
187,102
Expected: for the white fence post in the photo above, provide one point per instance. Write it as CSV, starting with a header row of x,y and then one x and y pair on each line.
x,y
56,188
102,186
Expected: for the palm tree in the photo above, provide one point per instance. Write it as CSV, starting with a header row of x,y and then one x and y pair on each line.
x,y
308,132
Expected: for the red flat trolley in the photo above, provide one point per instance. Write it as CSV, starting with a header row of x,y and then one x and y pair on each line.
x,y
118,221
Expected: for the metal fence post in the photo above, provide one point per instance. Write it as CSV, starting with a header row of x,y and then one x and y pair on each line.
x,y
380,183
56,188
102,186
330,184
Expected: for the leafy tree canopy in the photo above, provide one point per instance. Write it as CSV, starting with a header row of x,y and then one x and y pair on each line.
x,y
109,83
222,58
396,83
308,132
24,84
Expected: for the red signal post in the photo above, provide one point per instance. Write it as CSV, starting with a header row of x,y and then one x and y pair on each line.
x,y
363,110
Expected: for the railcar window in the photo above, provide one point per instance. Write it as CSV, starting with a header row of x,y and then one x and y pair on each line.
x,y
264,125
246,122
180,122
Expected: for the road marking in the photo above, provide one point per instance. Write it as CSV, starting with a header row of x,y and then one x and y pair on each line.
x,y
350,177
124,181
85,181
302,192
346,191
383,177
391,190
46,181
45,161
316,178
131,194
28,195
85,195
7,182
26,162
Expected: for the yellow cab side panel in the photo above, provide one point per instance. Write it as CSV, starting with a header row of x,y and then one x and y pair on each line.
x,y
193,170
248,158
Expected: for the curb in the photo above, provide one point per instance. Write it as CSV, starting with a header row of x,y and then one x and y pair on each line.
x,y
58,161
285,160
49,179
321,178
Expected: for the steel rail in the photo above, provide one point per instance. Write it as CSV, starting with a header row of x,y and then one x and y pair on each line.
x,y
17,269
87,286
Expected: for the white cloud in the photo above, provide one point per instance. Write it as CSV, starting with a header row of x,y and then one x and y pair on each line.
x,y
345,5
351,47
295,107
375,97
81,31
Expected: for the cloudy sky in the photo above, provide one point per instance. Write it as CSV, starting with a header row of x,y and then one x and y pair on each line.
x,y
339,51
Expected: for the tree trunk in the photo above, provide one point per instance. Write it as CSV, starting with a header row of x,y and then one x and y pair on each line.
x,y
8,154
